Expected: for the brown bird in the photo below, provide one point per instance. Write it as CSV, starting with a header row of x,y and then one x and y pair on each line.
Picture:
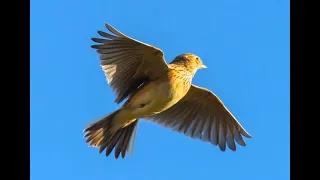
x,y
159,92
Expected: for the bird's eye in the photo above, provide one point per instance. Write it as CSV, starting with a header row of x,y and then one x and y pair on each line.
x,y
197,58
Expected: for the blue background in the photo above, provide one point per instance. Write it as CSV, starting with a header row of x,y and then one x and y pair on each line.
x,y
245,45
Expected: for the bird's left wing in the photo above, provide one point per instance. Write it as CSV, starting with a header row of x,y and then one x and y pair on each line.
x,y
202,115
127,62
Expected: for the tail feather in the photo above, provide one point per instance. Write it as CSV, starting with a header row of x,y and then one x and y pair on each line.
x,y
121,144
129,137
132,140
114,142
101,134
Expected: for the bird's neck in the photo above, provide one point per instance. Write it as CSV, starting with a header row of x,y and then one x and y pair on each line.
x,y
183,70
181,77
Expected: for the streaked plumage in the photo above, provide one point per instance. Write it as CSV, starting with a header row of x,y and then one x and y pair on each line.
x,y
160,92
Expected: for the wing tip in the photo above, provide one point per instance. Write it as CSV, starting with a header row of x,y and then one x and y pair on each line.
x,y
114,30
101,33
242,143
94,46
232,147
223,147
246,134
107,25
97,40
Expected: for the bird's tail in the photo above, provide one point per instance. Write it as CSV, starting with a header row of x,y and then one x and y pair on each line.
x,y
105,134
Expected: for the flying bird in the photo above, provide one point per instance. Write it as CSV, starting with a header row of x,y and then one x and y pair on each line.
x,y
158,92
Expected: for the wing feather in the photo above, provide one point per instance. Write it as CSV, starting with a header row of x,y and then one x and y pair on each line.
x,y
202,115
127,62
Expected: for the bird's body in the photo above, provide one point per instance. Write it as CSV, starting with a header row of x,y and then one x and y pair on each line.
x,y
156,96
160,92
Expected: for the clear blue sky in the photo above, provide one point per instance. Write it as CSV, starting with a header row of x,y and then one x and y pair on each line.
x,y
245,44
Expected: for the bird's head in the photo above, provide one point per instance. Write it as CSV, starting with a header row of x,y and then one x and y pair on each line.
x,y
190,61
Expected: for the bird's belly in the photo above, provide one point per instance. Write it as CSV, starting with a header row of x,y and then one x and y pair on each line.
x,y
154,98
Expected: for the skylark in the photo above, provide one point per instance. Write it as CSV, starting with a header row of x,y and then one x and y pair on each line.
x,y
159,92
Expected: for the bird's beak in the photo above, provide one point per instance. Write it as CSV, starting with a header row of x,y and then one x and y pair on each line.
x,y
203,66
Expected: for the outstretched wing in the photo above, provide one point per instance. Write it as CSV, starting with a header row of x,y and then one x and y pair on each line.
x,y
202,115
128,63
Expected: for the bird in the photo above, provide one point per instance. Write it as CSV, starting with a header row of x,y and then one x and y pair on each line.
x,y
158,92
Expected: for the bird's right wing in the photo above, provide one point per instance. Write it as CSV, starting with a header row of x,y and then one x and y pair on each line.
x,y
128,63
202,115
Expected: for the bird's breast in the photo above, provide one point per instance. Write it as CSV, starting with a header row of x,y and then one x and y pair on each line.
x,y
158,95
